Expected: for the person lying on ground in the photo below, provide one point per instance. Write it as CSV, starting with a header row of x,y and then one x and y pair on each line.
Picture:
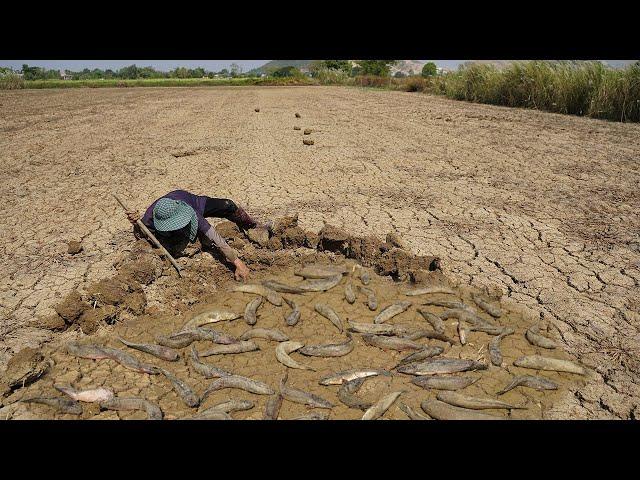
x,y
180,215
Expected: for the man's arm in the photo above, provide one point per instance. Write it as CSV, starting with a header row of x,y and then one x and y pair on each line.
x,y
230,254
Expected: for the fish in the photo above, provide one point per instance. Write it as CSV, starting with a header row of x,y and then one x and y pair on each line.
x,y
299,396
90,351
204,369
444,383
232,406
376,329
426,352
159,351
488,329
462,314
282,355
491,309
411,413
129,361
417,335
184,391
294,316
443,411
321,271
264,333
529,381
239,382
320,284
391,311
534,338
250,312
211,414
437,366
178,340
329,313
372,301
242,346
62,404
365,278
330,349
450,305
282,288
349,293
338,378
381,406
91,395
272,409
133,403
346,394
463,331
434,320
429,290
391,343
210,316
473,403
272,296
538,362
313,416
494,347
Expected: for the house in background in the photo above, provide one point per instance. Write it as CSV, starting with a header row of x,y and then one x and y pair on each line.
x,y
64,76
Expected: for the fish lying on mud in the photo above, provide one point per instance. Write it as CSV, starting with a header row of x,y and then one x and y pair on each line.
x,y
491,309
320,284
239,382
391,311
282,288
272,408
347,391
251,311
494,347
204,369
466,315
282,355
265,334
272,296
381,406
372,300
529,381
242,346
450,305
391,343
160,351
133,403
330,349
231,406
338,378
365,278
294,316
210,316
211,414
488,329
329,313
184,338
61,404
184,391
429,290
313,416
300,396
443,411
458,399
321,271
349,293
538,362
443,383
426,352
90,351
534,338
434,320
90,395
463,332
129,361
438,366
411,413
377,329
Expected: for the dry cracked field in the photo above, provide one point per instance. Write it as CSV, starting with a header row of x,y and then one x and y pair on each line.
x,y
543,205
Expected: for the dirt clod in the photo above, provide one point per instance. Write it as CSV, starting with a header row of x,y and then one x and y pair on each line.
x,y
71,307
74,247
333,239
51,322
395,240
308,141
307,131
24,368
296,128
92,318
297,115
257,109
259,236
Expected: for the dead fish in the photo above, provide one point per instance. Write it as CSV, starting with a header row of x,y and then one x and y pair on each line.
x,y
338,378
204,369
90,351
434,320
129,361
272,297
242,346
391,343
281,287
321,284
294,316
321,271
463,331
443,411
534,338
365,278
250,312
313,416
133,403
451,305
538,362
349,293
327,312
239,382
62,404
210,316
377,329
330,349
429,290
488,329
159,351
232,406
91,395
272,409
474,403
529,381
437,366
426,352
491,309
184,391
411,413
211,414
299,396
428,334
381,406
494,347
391,311
444,383
346,394
372,300
264,333
282,355
187,337
478,323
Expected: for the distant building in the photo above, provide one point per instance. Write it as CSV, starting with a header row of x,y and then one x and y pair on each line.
x,y
64,75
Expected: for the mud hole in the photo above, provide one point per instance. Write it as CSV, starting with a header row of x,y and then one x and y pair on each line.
x,y
147,298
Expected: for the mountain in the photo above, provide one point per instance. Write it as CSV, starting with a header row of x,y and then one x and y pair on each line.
x,y
275,64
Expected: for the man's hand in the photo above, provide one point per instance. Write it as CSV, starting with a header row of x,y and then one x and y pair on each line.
x,y
133,216
242,272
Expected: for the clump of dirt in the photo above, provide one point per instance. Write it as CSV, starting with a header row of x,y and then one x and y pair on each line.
x,y
51,322
400,264
24,368
298,115
71,307
135,303
308,141
113,291
259,236
394,240
145,270
92,318
228,230
296,128
334,239
74,247
307,131
257,110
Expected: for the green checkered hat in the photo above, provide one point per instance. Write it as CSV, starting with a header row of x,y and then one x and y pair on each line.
x,y
170,215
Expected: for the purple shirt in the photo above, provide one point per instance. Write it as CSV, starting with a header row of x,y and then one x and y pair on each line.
x,y
197,202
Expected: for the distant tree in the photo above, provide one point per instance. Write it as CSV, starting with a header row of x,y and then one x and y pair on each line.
x,y
380,68
224,72
429,69
235,69
399,74
130,72
287,72
344,65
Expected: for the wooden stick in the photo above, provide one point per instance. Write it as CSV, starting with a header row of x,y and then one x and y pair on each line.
x,y
155,241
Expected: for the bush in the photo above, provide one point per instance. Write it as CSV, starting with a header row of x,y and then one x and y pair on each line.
x,y
414,84
332,76
11,81
429,69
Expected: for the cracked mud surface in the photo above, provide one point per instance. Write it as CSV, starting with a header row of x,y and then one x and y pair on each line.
x,y
542,205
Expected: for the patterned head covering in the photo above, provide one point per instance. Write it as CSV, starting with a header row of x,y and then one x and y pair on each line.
x,y
170,215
